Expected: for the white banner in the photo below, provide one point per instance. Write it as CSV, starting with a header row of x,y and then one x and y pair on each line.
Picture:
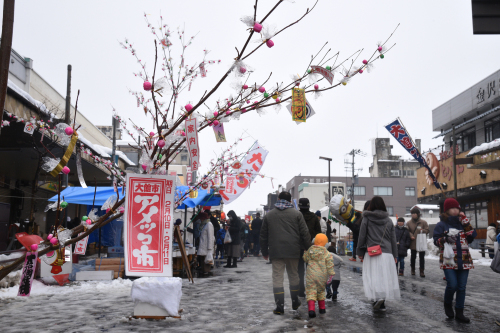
x,y
250,168
148,227
192,143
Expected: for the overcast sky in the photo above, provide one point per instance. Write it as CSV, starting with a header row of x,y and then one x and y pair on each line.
x,y
435,58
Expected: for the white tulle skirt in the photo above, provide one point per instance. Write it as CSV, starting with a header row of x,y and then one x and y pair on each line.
x,y
380,279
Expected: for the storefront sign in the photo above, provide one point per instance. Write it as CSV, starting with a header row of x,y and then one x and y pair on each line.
x,y
192,142
148,225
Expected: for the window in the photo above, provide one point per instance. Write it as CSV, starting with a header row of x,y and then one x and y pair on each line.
x,y
359,190
410,191
409,173
467,139
492,129
318,180
184,158
382,190
394,173
408,210
390,211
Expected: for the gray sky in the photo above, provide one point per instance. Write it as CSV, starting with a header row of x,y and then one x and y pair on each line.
x,y
436,58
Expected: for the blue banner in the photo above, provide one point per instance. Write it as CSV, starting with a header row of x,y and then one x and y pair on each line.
x,y
400,133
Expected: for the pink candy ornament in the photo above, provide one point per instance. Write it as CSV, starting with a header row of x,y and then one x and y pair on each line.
x,y
161,143
151,134
243,70
216,122
262,89
316,87
34,247
360,71
147,85
245,87
50,236
379,48
53,241
65,170
188,107
144,167
365,62
257,27
68,130
89,221
216,114
277,100
269,43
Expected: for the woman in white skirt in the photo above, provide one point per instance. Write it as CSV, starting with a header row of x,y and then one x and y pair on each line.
x,y
377,246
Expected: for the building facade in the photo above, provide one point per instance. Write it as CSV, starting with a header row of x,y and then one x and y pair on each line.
x,y
399,194
108,131
387,165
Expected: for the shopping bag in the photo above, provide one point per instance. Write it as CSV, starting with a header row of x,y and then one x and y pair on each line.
x,y
209,258
227,239
421,243
448,255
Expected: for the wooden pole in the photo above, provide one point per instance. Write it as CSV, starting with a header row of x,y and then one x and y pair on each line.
x,y
6,48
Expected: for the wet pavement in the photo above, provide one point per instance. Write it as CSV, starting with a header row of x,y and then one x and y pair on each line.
x,y
241,300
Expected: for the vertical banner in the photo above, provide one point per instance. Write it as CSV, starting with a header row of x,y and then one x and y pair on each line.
x,y
192,142
189,176
28,273
298,105
203,71
148,227
220,136
81,245
250,167
400,133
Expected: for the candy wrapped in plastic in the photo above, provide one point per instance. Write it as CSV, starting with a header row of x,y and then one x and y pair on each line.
x,y
64,139
145,161
341,208
236,115
240,69
261,111
93,214
64,236
51,206
49,163
109,203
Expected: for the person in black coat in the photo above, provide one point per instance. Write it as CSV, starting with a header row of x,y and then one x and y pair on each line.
x,y
403,240
354,227
256,227
233,249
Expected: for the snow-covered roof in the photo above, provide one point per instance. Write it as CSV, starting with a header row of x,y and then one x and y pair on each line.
x,y
485,147
126,143
108,151
37,104
426,207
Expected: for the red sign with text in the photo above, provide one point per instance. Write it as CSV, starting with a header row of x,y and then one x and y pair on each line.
x,y
148,225
192,143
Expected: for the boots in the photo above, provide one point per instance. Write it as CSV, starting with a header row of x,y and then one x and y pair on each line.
x,y
422,272
460,316
294,293
448,309
401,272
228,265
413,271
322,308
279,299
311,305
235,262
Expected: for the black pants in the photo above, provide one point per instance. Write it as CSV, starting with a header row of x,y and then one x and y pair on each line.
x,y
302,271
333,287
220,250
414,257
256,244
354,246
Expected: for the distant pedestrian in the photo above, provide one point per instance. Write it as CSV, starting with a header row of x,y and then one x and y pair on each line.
x,y
403,241
207,241
333,286
219,239
491,237
377,246
284,233
354,227
319,269
417,226
214,221
314,227
328,229
256,227
245,240
233,249
322,222
455,233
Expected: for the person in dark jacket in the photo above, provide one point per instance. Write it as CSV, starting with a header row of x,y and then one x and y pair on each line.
x,y
282,237
233,250
214,222
314,227
328,229
403,241
256,227
354,227
245,240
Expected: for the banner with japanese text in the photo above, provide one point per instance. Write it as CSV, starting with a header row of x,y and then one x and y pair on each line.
x,y
27,274
193,144
328,75
81,245
250,168
400,133
148,227
220,136
298,105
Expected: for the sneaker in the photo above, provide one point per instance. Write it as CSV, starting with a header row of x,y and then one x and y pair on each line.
x,y
334,298
382,307
329,295
352,259
378,304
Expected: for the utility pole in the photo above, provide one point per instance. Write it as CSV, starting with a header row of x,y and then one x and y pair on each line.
x,y
353,180
6,48
67,114
329,179
454,162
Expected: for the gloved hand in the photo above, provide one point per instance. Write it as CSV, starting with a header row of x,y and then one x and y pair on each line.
x,y
452,239
330,279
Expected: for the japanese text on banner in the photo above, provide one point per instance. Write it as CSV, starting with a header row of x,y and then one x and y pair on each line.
x,y
193,144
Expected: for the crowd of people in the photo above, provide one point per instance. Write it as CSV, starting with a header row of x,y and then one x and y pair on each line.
x,y
303,244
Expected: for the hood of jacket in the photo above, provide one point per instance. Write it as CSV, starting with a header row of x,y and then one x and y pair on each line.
x,y
317,253
377,216
491,228
232,214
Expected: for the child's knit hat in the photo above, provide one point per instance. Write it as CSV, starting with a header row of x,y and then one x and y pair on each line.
x,y
320,240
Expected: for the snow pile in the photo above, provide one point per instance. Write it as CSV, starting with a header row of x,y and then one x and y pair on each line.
x,y
484,147
163,292
11,257
11,280
30,99
478,258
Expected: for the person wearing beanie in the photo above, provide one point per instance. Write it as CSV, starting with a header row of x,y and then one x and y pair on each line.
x,y
416,226
319,269
403,242
454,232
314,227
282,236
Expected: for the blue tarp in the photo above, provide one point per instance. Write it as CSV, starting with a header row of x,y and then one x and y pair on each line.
x,y
204,198
85,196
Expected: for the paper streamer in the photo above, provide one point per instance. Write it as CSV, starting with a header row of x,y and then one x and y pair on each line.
x,y
79,167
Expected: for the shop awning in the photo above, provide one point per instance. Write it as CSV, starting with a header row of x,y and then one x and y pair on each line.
x,y
85,196
204,198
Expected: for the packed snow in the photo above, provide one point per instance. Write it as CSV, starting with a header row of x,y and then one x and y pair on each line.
x,y
154,290
484,147
39,105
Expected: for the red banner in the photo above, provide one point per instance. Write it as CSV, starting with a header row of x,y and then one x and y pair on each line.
x,y
148,224
192,142
81,245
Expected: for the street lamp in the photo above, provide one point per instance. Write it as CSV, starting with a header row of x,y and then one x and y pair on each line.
x,y
329,185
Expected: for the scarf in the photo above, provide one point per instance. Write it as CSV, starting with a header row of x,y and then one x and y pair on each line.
x,y
202,225
283,204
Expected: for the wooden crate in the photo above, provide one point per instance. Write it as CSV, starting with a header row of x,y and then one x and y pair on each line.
x,y
111,264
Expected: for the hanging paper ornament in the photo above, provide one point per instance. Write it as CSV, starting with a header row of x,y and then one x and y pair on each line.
x,y
188,107
147,85
269,43
365,61
64,204
68,130
262,89
161,143
257,27
65,170
316,87
382,56
245,87
266,95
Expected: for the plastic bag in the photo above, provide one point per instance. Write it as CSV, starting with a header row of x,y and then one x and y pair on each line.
x,y
209,258
227,239
421,242
448,252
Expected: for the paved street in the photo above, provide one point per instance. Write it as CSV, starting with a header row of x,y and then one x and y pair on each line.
x,y
241,300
